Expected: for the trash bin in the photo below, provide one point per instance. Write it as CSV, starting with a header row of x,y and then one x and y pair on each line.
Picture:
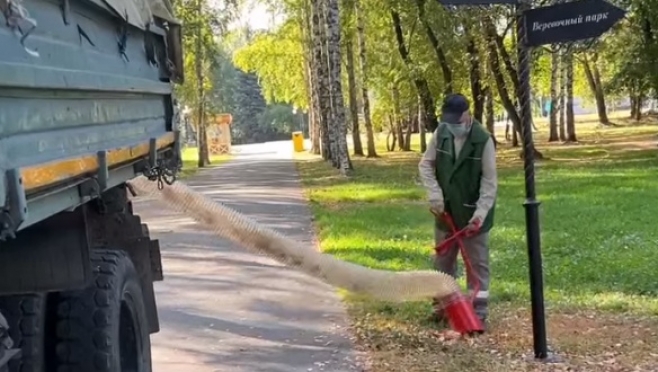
x,y
298,141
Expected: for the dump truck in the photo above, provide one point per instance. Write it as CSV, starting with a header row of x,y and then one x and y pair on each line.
x,y
86,104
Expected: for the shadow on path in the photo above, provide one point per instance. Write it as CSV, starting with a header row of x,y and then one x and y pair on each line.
x,y
224,309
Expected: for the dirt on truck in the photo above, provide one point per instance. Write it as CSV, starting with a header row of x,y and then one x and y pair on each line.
x,y
85,106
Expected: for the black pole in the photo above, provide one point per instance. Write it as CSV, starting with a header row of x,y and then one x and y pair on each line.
x,y
531,203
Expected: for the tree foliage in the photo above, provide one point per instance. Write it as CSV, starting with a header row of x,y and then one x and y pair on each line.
x,y
418,51
277,58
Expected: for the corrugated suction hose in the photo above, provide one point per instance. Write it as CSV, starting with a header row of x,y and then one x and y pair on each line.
x,y
231,225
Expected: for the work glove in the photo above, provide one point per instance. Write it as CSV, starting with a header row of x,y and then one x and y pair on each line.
x,y
474,225
436,206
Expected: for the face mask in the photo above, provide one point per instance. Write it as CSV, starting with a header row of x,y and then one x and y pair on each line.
x,y
458,130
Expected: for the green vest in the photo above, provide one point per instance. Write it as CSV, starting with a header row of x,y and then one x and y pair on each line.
x,y
460,178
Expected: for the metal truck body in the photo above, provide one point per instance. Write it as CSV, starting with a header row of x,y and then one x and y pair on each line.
x,y
85,105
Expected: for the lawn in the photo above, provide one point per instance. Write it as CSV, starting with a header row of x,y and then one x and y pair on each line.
x,y
599,247
190,157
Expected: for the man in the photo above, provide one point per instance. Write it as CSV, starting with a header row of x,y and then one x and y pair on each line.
x,y
458,171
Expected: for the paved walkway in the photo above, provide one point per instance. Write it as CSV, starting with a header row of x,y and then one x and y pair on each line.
x,y
223,309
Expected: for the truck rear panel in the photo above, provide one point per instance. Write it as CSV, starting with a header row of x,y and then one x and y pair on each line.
x,y
76,119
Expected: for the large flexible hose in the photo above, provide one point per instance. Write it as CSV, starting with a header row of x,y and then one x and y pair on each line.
x,y
231,225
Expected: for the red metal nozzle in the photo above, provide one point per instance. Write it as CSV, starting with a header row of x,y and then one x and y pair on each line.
x,y
461,315
458,308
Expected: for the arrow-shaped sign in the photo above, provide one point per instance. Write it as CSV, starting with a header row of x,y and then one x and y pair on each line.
x,y
582,19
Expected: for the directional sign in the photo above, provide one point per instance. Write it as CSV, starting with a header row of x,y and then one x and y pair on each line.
x,y
476,2
576,20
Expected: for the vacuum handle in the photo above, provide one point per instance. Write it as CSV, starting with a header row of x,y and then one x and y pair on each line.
x,y
456,236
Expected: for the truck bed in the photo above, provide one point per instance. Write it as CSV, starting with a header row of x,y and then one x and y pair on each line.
x,y
81,116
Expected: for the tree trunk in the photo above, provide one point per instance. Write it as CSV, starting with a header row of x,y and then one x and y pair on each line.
x,y
397,116
326,65
354,109
507,61
391,133
338,108
202,137
408,128
490,118
571,124
555,69
562,129
399,133
421,126
497,52
314,113
600,96
515,137
440,54
516,130
476,80
312,109
407,134
320,72
365,100
202,140
507,131
420,82
638,109
594,80
501,85
634,110
313,101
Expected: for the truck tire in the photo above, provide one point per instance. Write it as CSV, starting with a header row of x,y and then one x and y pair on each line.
x,y
104,327
26,316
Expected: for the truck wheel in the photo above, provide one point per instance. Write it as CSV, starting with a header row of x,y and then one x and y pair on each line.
x,y
104,327
26,316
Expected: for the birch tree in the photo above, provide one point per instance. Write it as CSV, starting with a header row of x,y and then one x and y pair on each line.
x,y
319,73
365,100
562,128
354,106
335,84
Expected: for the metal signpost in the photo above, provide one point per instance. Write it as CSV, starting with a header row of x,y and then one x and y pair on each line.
x,y
572,21
531,203
566,22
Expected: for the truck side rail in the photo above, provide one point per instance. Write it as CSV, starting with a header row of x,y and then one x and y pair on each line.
x,y
32,194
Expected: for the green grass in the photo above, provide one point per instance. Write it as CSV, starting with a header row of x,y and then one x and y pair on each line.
x,y
190,157
595,219
598,228
598,224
